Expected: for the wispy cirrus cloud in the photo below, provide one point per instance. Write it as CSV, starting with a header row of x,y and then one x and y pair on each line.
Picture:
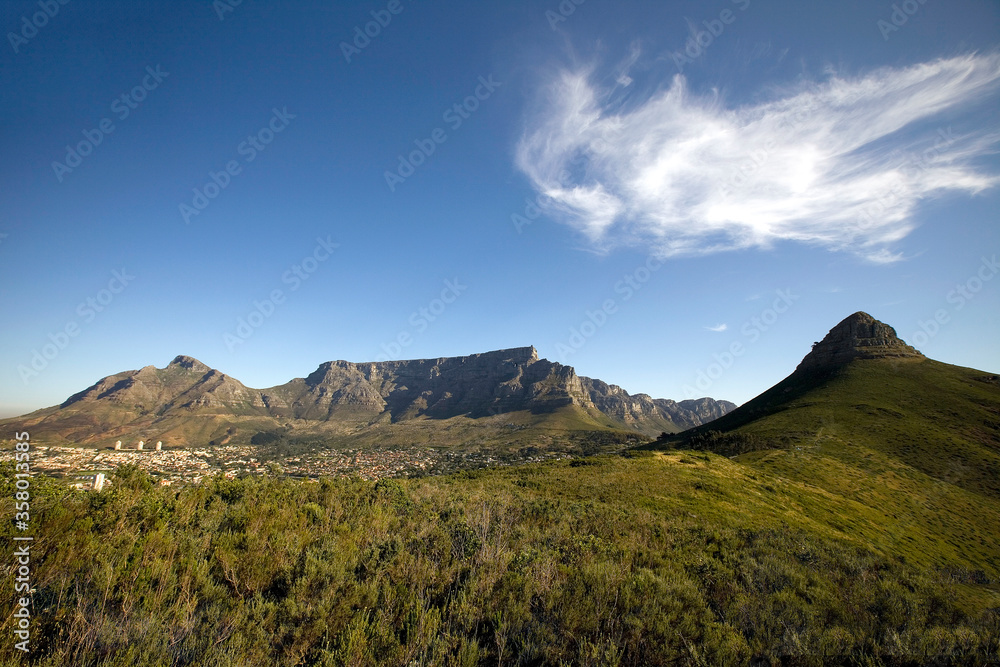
x,y
718,328
828,163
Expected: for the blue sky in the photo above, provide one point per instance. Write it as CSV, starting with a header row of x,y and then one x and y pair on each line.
x,y
678,198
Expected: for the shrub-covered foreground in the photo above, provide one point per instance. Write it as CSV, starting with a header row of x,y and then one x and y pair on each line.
x,y
658,560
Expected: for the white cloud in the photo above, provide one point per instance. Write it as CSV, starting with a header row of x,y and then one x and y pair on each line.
x,y
718,328
825,163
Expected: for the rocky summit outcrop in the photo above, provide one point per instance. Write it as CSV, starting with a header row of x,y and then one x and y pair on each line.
x,y
341,395
859,336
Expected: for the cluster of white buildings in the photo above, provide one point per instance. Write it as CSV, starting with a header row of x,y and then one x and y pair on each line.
x,y
140,446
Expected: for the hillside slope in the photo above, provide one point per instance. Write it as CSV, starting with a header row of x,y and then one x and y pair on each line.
x,y
915,442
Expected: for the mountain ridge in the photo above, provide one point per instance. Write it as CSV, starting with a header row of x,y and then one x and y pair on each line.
x,y
342,397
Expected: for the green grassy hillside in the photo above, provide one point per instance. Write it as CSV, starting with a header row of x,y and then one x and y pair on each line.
x,y
914,445
939,419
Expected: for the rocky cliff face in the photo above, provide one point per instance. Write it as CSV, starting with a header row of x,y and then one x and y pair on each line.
x,y
859,336
696,412
642,412
477,385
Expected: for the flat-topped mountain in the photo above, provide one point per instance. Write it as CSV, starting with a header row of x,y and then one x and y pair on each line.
x,y
475,396
477,385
